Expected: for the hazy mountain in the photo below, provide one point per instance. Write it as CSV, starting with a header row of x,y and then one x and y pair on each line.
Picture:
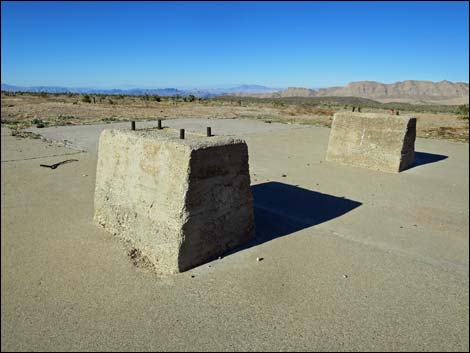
x,y
443,92
50,89
289,92
252,89
133,91
205,93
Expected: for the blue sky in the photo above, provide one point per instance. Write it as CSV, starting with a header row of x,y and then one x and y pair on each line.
x,y
190,44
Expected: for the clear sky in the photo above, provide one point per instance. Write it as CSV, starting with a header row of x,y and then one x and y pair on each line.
x,y
189,44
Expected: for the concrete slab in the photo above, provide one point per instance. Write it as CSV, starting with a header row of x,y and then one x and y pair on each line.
x,y
384,267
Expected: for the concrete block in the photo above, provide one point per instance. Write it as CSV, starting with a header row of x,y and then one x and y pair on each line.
x,y
375,141
180,202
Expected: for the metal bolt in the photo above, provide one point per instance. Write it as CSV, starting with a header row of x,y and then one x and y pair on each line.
x,y
209,133
159,124
132,125
182,134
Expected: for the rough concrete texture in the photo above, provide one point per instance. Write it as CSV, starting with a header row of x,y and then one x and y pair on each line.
x,y
375,141
179,202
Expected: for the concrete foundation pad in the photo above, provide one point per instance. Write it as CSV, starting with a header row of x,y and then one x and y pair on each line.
x,y
181,202
375,141
67,285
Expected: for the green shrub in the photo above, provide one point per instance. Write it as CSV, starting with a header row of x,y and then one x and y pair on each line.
x,y
86,98
37,121
462,111
191,98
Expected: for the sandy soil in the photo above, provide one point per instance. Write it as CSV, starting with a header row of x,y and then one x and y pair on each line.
x,y
353,259
63,110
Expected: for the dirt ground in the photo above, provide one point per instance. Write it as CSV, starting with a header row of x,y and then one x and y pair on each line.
x,y
353,259
62,110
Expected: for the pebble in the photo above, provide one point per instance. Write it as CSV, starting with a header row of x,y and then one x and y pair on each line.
x,y
283,175
259,259
345,276
84,175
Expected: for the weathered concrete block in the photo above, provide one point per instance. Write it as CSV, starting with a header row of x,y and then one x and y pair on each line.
x,y
375,141
180,202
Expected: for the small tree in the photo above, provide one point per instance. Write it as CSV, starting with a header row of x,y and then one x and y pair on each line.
x,y
155,98
175,99
191,98
462,111
86,98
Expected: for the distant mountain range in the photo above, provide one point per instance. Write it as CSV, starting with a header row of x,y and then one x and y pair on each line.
x,y
203,93
411,91
425,92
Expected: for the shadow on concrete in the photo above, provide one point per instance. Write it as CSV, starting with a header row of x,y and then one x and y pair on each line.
x,y
422,158
281,209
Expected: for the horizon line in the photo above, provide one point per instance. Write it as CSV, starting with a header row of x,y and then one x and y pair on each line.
x,y
214,86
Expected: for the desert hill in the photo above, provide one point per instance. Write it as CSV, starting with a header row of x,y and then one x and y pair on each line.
x,y
411,91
